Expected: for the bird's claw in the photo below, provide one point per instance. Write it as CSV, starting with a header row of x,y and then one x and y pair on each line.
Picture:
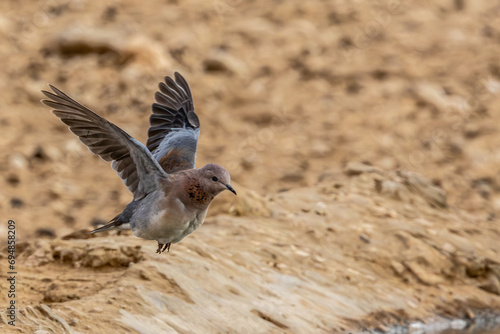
x,y
167,247
164,246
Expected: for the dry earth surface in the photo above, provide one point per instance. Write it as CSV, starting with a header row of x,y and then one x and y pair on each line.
x,y
362,137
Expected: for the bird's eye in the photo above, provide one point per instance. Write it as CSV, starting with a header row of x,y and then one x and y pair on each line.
x,y
215,179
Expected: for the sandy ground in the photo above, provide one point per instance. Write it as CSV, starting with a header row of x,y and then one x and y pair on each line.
x,y
362,138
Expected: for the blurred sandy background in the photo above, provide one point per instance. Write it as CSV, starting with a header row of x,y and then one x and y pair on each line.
x,y
363,137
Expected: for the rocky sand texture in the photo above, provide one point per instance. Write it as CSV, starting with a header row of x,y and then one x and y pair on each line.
x,y
362,139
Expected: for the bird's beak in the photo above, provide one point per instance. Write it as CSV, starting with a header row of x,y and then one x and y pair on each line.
x,y
228,186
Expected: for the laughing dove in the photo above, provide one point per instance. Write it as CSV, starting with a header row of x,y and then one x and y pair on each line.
x,y
171,196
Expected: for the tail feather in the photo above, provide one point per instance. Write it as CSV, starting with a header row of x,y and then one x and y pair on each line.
x,y
113,223
121,221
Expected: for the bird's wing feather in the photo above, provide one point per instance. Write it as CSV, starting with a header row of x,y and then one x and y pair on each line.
x,y
133,162
173,134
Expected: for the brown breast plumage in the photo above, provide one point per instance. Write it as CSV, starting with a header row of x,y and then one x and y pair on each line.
x,y
197,194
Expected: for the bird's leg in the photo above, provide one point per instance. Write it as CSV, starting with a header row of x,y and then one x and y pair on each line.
x,y
158,251
167,247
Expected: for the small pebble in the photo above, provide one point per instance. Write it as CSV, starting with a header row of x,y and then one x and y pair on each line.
x,y
16,203
45,233
18,161
364,238
39,154
13,179
73,322
356,168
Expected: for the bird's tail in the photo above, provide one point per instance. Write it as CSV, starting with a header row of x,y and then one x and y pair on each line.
x,y
121,221
113,223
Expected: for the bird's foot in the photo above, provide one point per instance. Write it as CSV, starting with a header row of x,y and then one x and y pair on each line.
x,y
167,247
164,246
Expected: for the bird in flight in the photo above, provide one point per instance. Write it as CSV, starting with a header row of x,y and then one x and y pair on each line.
x,y
171,196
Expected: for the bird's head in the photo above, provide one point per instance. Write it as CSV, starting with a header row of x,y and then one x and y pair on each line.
x,y
216,179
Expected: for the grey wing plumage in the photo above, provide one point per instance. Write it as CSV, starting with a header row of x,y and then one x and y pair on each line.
x,y
173,134
130,158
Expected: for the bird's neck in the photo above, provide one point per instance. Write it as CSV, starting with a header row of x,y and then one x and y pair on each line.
x,y
196,193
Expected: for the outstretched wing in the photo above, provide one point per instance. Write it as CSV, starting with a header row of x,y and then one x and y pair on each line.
x,y
130,158
173,134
